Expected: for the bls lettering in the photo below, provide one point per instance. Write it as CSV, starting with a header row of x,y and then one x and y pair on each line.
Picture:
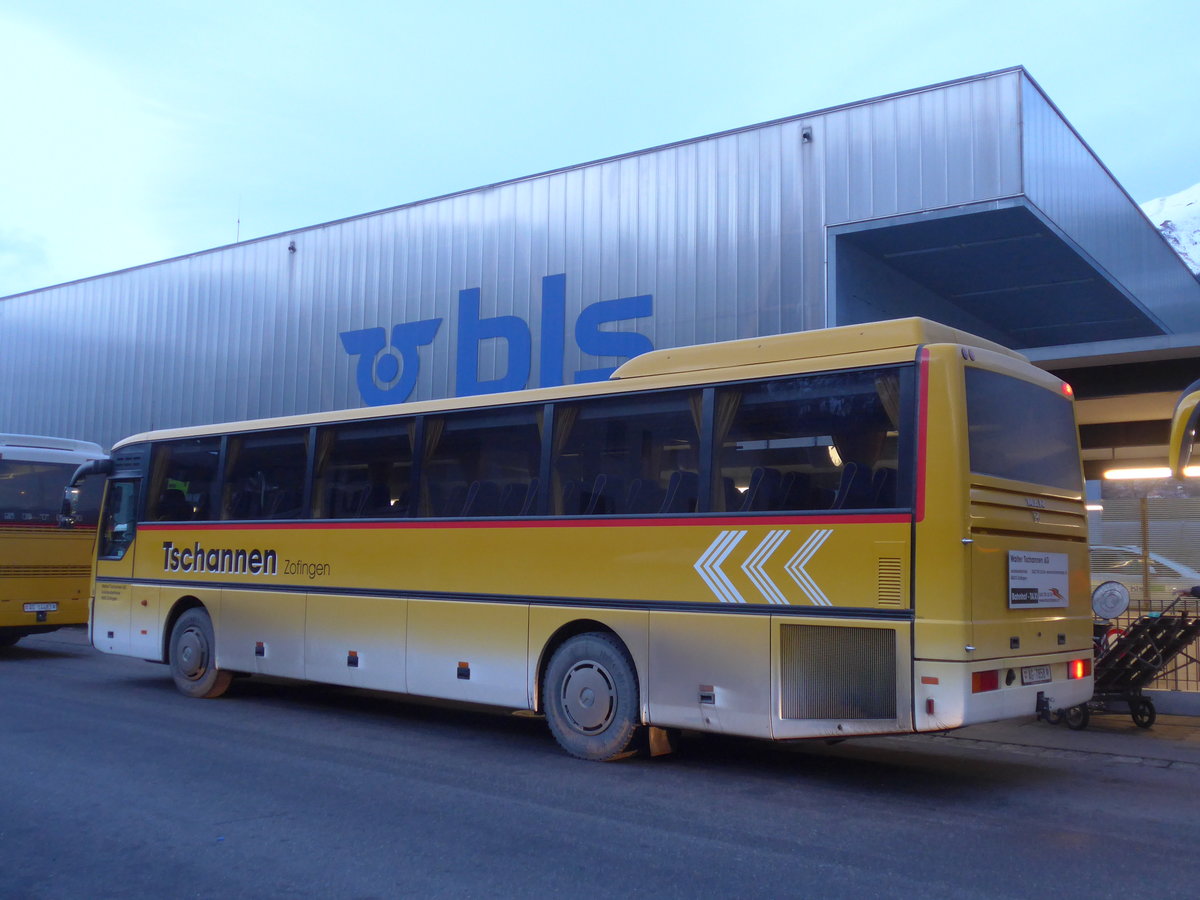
x,y
387,371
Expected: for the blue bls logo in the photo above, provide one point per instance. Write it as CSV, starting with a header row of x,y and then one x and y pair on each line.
x,y
387,372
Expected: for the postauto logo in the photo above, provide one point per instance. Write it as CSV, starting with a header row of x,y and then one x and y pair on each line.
x,y
387,371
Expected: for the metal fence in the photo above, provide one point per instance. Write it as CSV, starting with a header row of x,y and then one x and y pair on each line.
x,y
1151,544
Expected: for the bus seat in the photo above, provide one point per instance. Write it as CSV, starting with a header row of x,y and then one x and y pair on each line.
x,y
376,501
683,490
455,498
529,506
174,507
483,499
796,491
512,498
733,499
883,486
602,498
644,496
572,498
764,486
854,490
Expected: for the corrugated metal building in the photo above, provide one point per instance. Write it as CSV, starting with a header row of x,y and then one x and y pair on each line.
x,y
972,202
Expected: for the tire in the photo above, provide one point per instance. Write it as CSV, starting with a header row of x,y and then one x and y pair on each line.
x,y
1077,717
193,657
8,640
1143,712
590,696
1053,717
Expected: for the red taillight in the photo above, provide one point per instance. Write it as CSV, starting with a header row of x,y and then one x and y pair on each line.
x,y
1079,668
985,681
1067,390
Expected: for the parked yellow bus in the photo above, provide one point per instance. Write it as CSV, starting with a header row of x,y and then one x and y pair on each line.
x,y
873,529
45,571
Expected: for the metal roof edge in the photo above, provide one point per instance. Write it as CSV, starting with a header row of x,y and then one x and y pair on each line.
x,y
576,166
1088,147
1125,350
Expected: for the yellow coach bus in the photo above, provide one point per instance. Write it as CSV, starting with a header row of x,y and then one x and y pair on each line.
x,y
45,571
862,530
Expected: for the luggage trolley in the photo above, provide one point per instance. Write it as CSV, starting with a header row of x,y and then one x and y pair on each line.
x,y
1128,659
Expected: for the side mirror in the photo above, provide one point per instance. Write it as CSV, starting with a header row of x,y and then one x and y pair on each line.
x,y
68,515
1183,428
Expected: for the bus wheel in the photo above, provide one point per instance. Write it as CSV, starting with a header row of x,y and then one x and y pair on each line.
x,y
1077,717
192,660
590,695
8,640
1143,712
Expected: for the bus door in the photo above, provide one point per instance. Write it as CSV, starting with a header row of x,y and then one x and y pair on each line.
x,y
113,605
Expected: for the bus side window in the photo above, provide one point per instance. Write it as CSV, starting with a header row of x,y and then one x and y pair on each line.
x,y
119,522
183,476
815,442
630,455
481,464
265,475
363,469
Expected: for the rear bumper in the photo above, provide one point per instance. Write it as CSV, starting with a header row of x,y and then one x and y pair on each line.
x,y
943,697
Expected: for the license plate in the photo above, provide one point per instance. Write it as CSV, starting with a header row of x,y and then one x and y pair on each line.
x,y
41,607
1035,674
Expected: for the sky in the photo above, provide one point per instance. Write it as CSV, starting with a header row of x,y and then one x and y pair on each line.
x,y
137,130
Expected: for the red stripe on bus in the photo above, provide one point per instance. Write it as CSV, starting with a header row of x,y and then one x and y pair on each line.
x,y
616,522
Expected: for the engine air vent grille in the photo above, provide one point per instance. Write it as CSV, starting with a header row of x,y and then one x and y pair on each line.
x,y
837,673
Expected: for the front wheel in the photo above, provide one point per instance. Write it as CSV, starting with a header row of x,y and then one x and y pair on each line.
x,y
1143,712
590,695
1077,717
193,656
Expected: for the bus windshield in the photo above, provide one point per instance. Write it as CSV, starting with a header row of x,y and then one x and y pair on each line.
x,y
31,492
1021,431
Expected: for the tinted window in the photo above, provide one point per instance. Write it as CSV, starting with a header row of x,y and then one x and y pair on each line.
x,y
630,455
265,475
183,480
1021,431
483,463
32,492
364,469
829,441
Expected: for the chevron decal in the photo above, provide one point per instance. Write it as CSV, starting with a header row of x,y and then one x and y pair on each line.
x,y
796,564
709,566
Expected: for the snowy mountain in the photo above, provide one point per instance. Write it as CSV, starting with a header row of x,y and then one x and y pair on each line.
x,y
1178,218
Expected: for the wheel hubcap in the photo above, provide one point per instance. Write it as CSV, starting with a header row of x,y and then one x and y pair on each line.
x,y
589,697
192,654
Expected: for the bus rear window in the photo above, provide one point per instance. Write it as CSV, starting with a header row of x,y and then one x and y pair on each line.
x,y
1021,431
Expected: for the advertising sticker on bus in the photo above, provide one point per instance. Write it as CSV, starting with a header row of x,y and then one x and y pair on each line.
x,y
1036,579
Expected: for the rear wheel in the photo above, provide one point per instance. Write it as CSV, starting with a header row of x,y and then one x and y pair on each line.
x,y
7,639
193,656
590,695
1077,717
1143,712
